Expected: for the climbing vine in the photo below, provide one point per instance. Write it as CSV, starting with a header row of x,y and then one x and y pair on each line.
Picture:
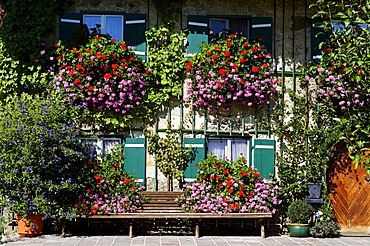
x,y
166,62
341,77
26,24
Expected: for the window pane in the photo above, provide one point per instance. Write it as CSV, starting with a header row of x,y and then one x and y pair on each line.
x,y
91,21
239,148
219,25
108,144
114,27
239,26
91,145
217,147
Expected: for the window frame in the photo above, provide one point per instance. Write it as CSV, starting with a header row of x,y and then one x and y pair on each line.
x,y
247,155
100,142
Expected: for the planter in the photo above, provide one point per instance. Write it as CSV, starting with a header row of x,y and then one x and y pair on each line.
x,y
314,190
298,230
31,226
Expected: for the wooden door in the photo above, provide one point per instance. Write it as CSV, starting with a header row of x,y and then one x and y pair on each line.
x,y
349,192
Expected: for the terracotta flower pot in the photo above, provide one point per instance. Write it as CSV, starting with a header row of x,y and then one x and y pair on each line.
x,y
31,226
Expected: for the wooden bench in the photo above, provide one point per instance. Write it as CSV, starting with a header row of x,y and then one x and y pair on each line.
x,y
162,205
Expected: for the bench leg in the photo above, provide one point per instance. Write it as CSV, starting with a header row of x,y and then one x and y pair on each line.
x,y
130,229
197,229
263,233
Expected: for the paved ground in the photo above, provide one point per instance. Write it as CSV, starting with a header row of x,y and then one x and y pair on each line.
x,y
49,240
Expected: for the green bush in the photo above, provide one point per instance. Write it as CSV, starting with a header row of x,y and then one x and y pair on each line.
x,y
299,212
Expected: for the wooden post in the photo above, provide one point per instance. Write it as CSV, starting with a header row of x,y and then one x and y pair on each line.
x,y
263,233
130,229
197,229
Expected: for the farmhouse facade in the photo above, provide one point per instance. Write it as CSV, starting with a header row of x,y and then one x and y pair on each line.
x,y
287,32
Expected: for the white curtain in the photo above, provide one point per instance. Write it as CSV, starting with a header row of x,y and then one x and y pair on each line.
x,y
228,149
217,147
239,148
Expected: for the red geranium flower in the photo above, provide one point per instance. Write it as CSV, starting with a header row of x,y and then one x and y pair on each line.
x,y
127,181
255,69
222,71
230,191
225,171
227,53
107,76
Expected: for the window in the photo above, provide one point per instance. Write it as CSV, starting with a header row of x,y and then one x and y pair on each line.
x,y
233,25
121,26
229,148
258,152
200,27
97,147
106,24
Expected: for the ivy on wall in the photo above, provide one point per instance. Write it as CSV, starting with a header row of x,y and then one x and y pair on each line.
x,y
25,26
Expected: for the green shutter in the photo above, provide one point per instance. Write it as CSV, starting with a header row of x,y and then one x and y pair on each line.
x,y
197,155
317,36
263,156
198,32
135,27
135,161
262,28
68,23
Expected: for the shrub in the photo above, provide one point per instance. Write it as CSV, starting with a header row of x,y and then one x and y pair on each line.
x,y
299,212
41,162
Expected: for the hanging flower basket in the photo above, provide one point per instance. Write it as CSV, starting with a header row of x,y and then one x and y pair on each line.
x,y
232,69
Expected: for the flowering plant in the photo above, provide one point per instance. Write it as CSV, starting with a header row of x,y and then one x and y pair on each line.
x,y
103,74
231,69
109,189
224,186
41,162
325,228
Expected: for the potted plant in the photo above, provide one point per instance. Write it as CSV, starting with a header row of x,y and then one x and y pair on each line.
x,y
299,214
41,162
